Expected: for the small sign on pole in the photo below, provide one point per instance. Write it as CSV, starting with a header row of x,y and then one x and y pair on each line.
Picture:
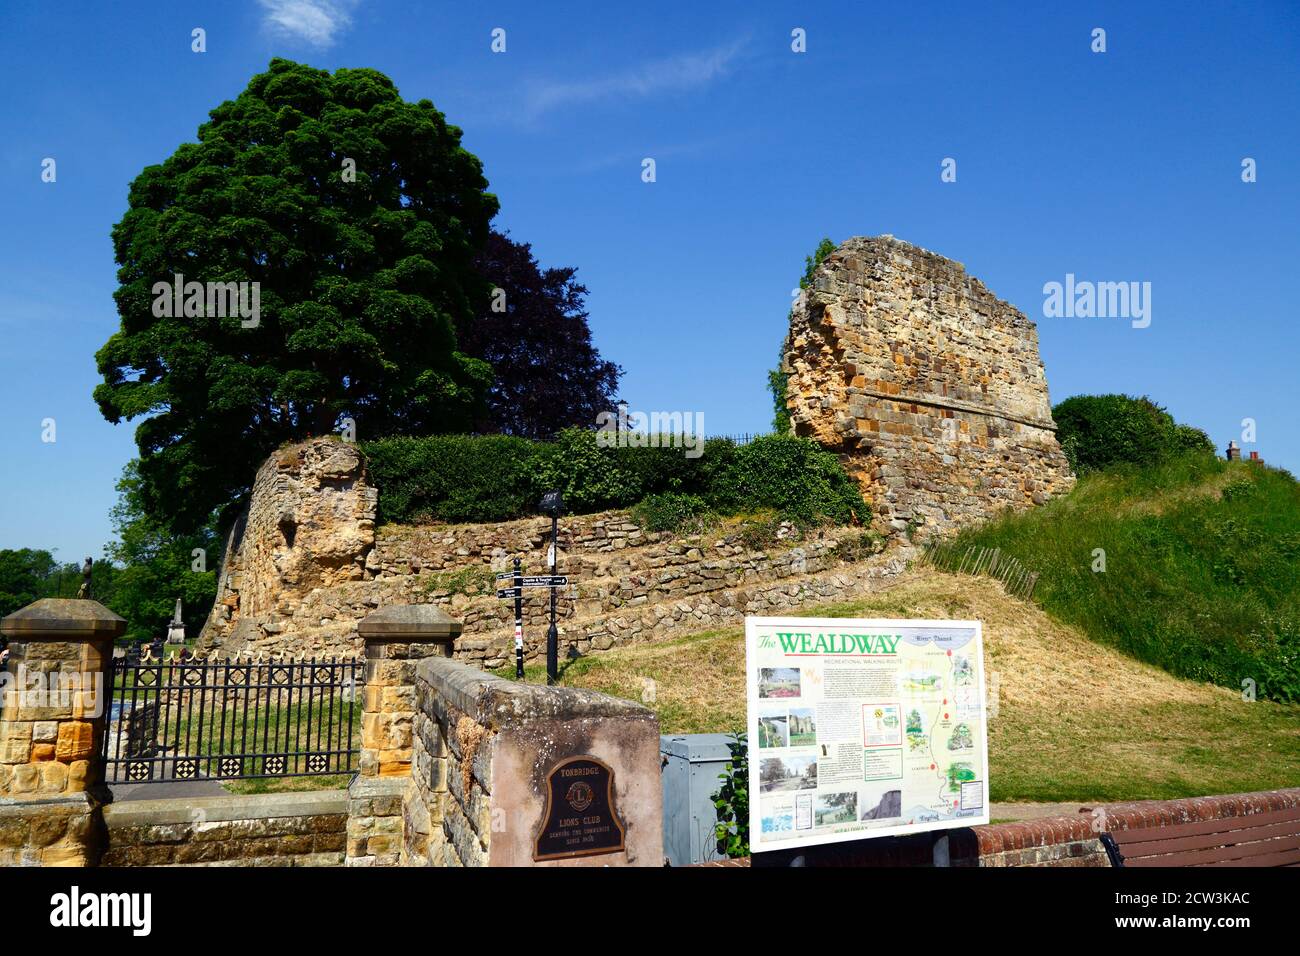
x,y
515,590
546,581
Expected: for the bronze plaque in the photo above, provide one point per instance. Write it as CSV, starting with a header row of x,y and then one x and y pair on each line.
x,y
580,819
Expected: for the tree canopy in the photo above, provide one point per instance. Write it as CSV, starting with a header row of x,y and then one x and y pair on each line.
x,y
363,280
24,577
535,336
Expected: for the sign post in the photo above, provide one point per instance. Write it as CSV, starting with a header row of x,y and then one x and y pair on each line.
x,y
516,591
863,728
519,622
553,504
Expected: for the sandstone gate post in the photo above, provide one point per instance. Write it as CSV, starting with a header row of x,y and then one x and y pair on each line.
x,y
396,639
52,719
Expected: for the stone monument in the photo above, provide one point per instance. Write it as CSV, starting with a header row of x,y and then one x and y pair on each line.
x,y
176,630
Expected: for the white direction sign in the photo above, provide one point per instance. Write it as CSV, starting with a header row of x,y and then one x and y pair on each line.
x,y
863,728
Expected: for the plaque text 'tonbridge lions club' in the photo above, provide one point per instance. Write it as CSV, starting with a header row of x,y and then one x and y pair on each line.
x,y
580,818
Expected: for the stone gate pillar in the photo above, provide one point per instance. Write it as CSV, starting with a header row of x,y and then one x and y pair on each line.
x,y
396,639
53,708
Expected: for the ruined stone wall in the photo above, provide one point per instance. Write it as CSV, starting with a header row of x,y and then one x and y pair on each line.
x,y
310,524
628,584
929,387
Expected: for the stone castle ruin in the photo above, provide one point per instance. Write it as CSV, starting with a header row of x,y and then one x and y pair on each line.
x,y
928,386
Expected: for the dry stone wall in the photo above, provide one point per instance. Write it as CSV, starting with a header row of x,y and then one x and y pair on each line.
x,y
303,590
928,386
650,593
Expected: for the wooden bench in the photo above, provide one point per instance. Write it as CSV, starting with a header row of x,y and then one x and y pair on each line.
x,y
1257,839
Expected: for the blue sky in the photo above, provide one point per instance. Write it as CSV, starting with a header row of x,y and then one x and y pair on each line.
x,y
1115,166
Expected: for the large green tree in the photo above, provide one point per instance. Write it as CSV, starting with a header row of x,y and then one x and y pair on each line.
x,y
549,375
362,279
24,576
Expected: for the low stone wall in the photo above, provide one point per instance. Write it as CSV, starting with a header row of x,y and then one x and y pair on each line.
x,y
483,750
409,549
1048,841
62,831
278,829
629,585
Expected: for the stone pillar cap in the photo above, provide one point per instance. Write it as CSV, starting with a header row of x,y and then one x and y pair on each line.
x,y
55,619
411,622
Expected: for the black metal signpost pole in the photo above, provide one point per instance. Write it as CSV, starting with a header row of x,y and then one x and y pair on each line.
x,y
552,634
519,621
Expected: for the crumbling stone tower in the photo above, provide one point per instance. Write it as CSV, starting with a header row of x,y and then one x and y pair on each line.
x,y
926,384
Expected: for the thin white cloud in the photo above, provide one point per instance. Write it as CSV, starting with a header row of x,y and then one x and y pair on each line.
x,y
674,74
317,22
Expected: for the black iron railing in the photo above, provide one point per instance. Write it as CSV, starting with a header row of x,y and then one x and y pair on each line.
x,y
187,719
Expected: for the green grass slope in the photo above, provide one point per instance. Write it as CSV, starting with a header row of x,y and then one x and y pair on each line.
x,y
1201,567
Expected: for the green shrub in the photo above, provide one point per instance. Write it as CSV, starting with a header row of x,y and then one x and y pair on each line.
x,y
454,478
1097,431
457,478
860,546
1189,438
591,478
731,801
759,529
669,511
791,475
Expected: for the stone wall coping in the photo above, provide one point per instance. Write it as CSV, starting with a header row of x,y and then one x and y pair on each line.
x,y
253,806
493,701
59,619
37,806
365,787
410,623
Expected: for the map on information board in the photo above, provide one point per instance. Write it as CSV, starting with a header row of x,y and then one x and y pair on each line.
x,y
863,728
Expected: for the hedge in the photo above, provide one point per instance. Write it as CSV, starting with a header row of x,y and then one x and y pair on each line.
x,y
1097,431
460,478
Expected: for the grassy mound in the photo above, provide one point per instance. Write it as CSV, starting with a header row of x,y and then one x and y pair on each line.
x,y
1074,720
1201,563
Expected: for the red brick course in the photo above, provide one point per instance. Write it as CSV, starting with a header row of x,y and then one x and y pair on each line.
x,y
1050,841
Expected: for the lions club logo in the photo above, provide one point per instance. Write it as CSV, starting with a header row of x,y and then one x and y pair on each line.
x,y
579,796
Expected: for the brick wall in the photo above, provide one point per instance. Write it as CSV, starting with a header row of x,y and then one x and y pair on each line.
x,y
1049,841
